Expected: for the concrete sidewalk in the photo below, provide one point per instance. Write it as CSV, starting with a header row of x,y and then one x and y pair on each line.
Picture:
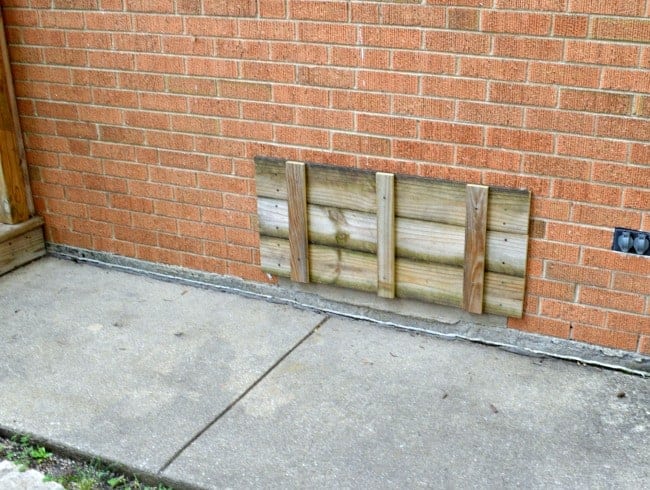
x,y
206,389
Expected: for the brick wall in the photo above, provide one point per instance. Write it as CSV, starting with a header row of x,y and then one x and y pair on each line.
x,y
141,119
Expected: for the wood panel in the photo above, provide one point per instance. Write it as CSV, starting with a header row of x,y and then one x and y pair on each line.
x,y
400,236
475,240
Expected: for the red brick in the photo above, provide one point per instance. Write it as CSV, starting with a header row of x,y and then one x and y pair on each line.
x,y
640,154
579,235
561,121
644,345
412,15
388,165
457,42
451,132
461,88
538,325
423,62
595,101
463,19
605,216
422,107
525,94
559,252
633,303
207,26
325,33
360,57
135,171
302,136
520,140
386,125
601,336
622,174
296,53
272,8
623,128
573,313
633,283
247,130
497,114
634,30
637,198
487,158
562,74
533,48
602,53
581,275
515,22
551,289
492,69
631,81
357,101
596,148
626,322
361,144
557,167
592,193
387,82
570,25
326,77
616,261
318,10
226,217
446,172
421,151
611,7
390,37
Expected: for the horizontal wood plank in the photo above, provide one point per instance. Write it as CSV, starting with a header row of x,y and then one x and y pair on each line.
x,y
326,186
419,240
21,249
423,281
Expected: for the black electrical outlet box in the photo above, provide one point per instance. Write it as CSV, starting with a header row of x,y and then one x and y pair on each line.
x,y
633,242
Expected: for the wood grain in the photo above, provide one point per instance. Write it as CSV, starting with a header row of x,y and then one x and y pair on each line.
x,y
385,235
475,241
419,240
20,244
415,197
298,224
15,198
437,283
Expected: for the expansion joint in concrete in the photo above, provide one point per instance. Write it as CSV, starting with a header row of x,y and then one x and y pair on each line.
x,y
221,414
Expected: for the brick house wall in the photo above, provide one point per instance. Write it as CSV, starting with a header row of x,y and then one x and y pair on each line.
x,y
141,119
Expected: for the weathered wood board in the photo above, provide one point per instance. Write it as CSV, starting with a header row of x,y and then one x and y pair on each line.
x,y
15,195
20,244
350,226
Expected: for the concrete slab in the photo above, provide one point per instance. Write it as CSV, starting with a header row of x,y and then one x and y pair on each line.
x,y
129,368
357,406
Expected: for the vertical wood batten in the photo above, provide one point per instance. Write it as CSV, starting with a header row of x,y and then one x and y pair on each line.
x,y
298,226
385,235
475,240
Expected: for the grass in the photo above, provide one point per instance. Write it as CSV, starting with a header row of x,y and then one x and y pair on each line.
x,y
72,474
